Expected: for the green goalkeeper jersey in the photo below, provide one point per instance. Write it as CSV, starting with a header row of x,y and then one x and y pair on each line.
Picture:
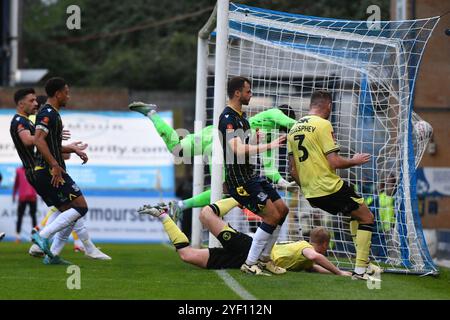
x,y
200,143
269,121
272,119
266,121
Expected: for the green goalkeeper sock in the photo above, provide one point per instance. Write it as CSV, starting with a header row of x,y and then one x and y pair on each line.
x,y
198,201
166,132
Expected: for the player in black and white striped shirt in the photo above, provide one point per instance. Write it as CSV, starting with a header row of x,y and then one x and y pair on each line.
x,y
244,185
54,183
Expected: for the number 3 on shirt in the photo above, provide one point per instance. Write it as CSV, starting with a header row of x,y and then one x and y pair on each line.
x,y
300,139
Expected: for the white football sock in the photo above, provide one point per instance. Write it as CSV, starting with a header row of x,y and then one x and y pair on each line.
x,y
360,270
78,243
259,242
57,246
62,221
89,246
60,239
265,255
83,234
51,218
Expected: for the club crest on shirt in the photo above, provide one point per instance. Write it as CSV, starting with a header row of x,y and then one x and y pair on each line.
x,y
45,120
262,196
226,236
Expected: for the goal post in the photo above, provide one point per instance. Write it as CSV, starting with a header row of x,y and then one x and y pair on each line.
x,y
370,69
218,20
200,119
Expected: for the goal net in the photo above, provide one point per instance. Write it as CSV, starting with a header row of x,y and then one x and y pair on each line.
x,y
370,69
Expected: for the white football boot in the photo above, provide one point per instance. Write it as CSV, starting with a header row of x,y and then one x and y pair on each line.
x,y
97,254
35,251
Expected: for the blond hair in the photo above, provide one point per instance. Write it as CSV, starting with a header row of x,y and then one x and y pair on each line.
x,y
320,235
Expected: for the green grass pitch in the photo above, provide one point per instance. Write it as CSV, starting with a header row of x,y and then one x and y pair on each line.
x,y
153,271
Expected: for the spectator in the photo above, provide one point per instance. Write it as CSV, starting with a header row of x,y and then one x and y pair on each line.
x,y
387,204
386,199
27,197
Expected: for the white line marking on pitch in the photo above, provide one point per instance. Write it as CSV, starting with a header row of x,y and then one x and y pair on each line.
x,y
234,285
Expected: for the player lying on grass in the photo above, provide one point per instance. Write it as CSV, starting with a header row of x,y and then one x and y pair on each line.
x,y
221,208
296,256
281,118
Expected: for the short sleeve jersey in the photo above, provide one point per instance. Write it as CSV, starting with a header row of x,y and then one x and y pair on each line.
x,y
290,256
237,170
310,140
20,123
49,120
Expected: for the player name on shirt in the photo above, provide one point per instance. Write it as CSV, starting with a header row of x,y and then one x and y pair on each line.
x,y
310,140
304,128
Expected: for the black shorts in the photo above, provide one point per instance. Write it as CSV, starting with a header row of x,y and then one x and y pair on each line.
x,y
65,193
31,178
254,194
344,201
234,252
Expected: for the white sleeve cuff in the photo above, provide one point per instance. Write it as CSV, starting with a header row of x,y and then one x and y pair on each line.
x,y
41,127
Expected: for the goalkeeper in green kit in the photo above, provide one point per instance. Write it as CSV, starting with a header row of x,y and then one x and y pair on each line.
x,y
281,118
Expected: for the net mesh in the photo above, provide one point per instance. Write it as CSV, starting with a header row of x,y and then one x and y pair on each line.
x,y
370,69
